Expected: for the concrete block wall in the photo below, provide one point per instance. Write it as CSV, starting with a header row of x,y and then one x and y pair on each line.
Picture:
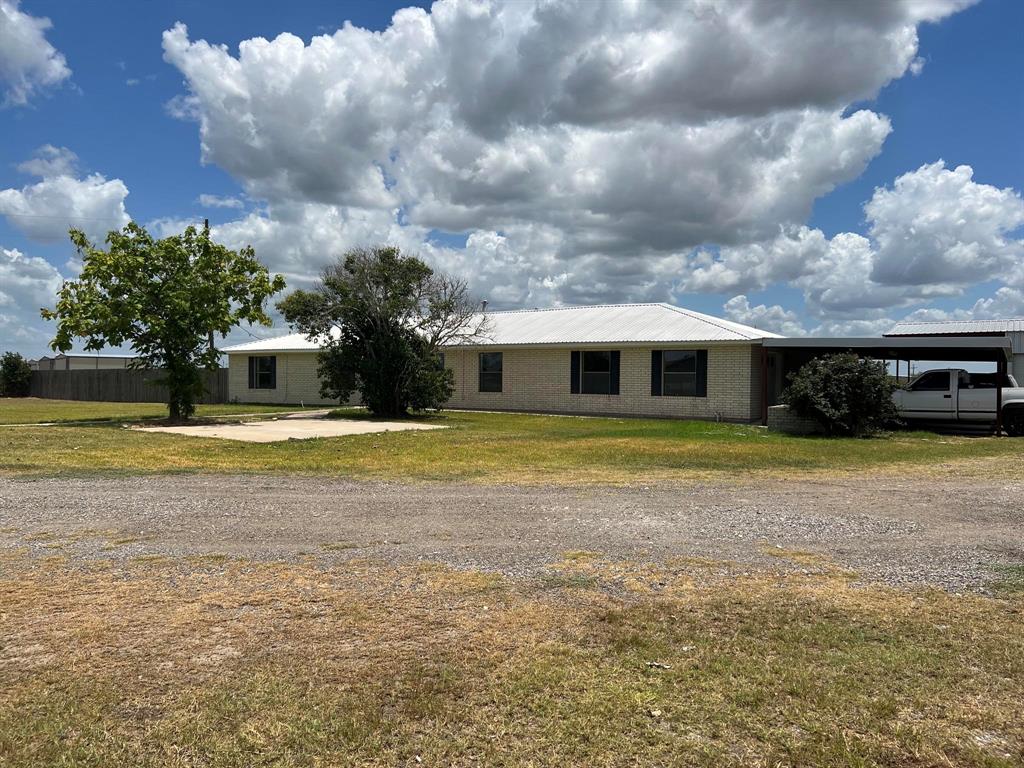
x,y
297,381
782,419
538,380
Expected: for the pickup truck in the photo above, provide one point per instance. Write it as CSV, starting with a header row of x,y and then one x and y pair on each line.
x,y
954,394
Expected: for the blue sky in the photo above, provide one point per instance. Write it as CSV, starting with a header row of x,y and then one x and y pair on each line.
x,y
515,233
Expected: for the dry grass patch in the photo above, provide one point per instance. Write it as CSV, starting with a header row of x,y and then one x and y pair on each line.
x,y
511,448
222,662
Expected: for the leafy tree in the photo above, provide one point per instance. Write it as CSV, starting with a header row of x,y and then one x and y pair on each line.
x,y
15,375
167,298
844,394
383,318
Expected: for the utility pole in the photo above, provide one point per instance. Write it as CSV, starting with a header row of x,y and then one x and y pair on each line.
x,y
206,248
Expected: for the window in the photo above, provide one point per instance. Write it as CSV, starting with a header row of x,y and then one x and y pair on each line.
x,y
679,373
594,373
440,361
981,381
490,371
933,381
597,373
263,372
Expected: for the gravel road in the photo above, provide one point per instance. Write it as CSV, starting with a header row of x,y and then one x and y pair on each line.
x,y
946,533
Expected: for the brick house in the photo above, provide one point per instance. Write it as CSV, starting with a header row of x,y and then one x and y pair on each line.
x,y
624,359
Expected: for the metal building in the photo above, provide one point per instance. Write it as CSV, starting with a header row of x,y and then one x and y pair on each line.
x,y
1012,329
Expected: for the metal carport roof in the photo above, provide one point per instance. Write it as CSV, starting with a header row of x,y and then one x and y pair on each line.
x,y
966,348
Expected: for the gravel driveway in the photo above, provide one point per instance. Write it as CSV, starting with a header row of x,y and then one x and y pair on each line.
x,y
946,533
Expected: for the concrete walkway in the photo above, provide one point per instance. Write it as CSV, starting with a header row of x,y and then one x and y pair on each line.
x,y
297,427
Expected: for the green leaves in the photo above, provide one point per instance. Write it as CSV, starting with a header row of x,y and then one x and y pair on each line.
x,y
15,375
386,315
164,297
845,394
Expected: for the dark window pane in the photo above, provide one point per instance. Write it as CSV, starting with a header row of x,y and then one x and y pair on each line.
x,y
680,384
936,381
597,383
490,371
680,361
597,362
490,382
263,372
490,362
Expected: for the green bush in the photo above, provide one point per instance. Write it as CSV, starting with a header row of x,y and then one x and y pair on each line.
x,y
15,376
844,394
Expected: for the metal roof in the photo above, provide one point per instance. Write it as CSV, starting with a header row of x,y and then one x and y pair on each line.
x,y
604,324
910,348
956,327
613,324
292,342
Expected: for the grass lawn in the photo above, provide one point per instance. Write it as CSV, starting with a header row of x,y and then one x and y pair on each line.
x,y
216,662
491,447
34,410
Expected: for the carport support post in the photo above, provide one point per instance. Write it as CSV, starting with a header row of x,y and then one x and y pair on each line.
x,y
764,385
1000,375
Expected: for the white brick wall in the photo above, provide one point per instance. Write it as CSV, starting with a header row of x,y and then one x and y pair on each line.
x,y
297,381
538,380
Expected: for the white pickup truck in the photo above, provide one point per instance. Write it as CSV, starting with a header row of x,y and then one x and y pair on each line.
x,y
953,394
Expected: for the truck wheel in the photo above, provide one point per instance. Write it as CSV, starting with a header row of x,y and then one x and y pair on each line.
x,y
1013,422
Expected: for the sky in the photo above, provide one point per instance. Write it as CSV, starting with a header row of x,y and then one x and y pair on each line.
x,y
803,167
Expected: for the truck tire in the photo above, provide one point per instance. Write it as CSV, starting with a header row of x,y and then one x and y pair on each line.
x,y
1013,422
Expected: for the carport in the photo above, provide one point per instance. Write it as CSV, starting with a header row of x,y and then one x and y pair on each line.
x,y
779,357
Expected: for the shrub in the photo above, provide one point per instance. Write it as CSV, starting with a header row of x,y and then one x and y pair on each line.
x,y
15,376
844,394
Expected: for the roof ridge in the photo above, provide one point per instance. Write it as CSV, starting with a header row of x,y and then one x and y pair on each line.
x,y
972,320
710,319
573,306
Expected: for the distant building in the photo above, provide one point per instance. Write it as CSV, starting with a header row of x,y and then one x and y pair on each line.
x,y
1012,329
81,361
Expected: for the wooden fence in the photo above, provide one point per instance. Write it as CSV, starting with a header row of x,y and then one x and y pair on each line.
x,y
119,386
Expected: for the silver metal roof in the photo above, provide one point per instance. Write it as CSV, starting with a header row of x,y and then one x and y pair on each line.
x,y
613,324
956,327
292,342
606,324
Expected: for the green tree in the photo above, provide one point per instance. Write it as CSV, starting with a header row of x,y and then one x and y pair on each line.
x,y
382,319
844,394
167,298
15,375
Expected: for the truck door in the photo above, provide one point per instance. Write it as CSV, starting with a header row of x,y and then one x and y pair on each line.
x,y
929,396
976,396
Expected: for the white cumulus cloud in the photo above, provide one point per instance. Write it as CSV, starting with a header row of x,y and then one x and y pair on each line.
x,y
28,62
768,318
607,139
217,201
46,210
27,284
934,233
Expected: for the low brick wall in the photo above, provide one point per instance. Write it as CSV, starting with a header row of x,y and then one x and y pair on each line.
x,y
782,419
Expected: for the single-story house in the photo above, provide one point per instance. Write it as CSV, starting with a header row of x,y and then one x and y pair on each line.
x,y
1010,329
625,359
653,360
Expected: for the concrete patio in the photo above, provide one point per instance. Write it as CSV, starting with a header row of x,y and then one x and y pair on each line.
x,y
296,427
